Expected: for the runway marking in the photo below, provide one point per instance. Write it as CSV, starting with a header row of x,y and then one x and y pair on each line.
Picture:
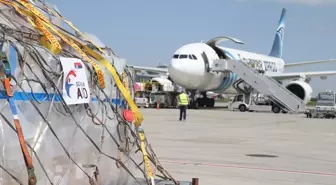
x,y
248,168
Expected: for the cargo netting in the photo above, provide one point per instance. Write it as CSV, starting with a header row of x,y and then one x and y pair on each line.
x,y
67,115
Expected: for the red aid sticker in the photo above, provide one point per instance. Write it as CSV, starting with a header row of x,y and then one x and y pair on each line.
x,y
128,115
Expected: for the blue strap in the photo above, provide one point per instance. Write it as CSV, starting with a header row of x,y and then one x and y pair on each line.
x,y
20,96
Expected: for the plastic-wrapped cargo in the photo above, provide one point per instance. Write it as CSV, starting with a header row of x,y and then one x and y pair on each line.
x,y
74,130
137,86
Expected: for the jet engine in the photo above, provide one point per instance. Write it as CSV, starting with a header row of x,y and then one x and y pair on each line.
x,y
301,89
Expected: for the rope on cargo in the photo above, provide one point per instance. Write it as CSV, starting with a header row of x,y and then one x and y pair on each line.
x,y
5,74
51,129
119,118
94,54
142,139
32,52
57,14
78,125
31,148
10,174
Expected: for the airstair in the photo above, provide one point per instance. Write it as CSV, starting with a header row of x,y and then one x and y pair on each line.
x,y
265,85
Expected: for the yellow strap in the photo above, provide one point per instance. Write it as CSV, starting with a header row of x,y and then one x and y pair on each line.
x,y
73,27
97,56
137,114
96,67
49,41
36,15
145,155
53,44
41,24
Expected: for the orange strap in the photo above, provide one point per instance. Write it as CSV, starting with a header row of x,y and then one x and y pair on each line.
x,y
27,158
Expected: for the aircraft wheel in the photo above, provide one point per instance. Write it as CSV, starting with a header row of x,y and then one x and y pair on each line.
x,y
200,102
242,108
276,109
284,112
195,104
212,102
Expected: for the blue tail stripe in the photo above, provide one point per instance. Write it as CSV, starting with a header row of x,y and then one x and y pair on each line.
x,y
279,36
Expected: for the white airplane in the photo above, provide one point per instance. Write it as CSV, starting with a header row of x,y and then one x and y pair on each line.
x,y
190,67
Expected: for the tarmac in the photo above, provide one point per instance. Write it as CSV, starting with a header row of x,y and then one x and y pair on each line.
x,y
243,148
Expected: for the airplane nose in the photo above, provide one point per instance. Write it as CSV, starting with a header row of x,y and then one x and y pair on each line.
x,y
179,66
186,73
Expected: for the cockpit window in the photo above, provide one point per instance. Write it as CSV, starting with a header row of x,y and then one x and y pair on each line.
x,y
190,56
183,56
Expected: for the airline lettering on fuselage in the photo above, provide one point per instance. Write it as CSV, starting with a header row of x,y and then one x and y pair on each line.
x,y
258,64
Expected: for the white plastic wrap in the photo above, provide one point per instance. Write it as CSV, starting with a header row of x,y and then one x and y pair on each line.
x,y
69,144
75,161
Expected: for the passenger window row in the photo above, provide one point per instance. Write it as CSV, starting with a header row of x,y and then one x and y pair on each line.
x,y
192,57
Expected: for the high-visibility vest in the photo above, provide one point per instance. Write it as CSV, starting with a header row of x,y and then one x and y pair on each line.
x,y
183,99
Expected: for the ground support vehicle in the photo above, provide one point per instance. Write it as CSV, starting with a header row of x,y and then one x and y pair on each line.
x,y
325,106
253,102
314,113
157,93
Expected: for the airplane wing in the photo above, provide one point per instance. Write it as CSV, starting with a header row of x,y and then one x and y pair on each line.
x,y
294,75
150,69
288,65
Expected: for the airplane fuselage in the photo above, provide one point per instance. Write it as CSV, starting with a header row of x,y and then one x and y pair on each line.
x,y
191,68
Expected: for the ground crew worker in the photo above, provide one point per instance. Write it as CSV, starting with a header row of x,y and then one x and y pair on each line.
x,y
183,101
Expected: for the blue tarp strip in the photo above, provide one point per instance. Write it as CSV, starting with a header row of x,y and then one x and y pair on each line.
x,y
20,96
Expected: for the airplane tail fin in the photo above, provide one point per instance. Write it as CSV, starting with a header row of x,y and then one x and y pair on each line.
x,y
279,36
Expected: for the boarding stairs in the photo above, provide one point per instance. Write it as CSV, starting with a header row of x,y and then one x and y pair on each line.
x,y
265,85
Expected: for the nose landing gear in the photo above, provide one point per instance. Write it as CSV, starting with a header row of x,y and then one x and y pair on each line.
x,y
198,100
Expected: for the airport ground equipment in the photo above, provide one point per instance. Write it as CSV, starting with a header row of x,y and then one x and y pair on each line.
x,y
159,90
141,102
314,113
252,79
325,106
251,102
162,92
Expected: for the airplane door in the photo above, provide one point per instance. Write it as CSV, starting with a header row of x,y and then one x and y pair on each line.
x,y
263,66
206,61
